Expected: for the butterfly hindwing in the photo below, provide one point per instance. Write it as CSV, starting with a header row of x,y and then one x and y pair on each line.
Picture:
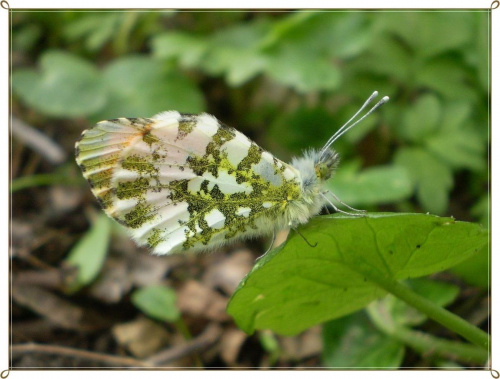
x,y
180,182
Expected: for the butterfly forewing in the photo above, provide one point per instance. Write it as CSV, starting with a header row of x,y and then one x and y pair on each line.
x,y
182,182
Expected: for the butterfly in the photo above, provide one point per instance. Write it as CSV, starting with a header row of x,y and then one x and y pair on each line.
x,y
182,182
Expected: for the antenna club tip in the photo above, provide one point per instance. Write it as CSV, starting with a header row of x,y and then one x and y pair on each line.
x,y
385,99
375,93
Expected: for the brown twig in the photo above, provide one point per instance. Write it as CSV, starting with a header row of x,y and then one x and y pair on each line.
x,y
206,339
109,360
202,341
49,278
38,141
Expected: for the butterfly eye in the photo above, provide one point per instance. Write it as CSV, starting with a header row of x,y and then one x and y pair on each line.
x,y
323,171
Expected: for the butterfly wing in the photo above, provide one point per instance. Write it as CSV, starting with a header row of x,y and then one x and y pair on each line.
x,y
180,182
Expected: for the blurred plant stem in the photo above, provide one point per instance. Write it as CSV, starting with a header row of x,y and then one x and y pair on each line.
x,y
425,343
439,314
63,175
184,330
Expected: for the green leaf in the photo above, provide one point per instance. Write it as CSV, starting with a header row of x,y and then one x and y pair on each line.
x,y
321,33
233,52
421,119
26,37
158,302
430,33
241,36
479,53
356,26
375,185
89,253
64,86
296,286
188,49
237,66
482,210
352,342
94,28
459,143
446,76
383,317
293,130
463,149
475,271
303,72
389,57
269,342
432,178
294,25
141,86
402,314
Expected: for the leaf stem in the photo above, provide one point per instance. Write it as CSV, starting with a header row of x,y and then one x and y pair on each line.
x,y
184,330
63,176
427,344
439,314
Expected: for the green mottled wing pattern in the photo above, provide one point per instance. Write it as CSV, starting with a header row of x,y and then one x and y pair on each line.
x,y
180,182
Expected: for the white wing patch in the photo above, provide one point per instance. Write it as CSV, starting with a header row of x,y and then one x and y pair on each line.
x,y
179,182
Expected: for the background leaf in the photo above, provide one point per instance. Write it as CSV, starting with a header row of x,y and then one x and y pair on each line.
x,y
352,342
65,86
299,75
374,185
432,178
421,36
402,314
150,87
422,119
476,271
94,28
88,255
158,302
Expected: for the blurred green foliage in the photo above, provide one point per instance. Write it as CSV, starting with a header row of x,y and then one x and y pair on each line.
x,y
158,302
376,338
289,80
89,254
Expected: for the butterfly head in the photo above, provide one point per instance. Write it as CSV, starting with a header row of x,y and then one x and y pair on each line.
x,y
325,164
317,166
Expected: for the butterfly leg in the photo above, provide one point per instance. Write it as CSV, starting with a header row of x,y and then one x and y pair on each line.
x,y
346,205
360,213
269,248
304,238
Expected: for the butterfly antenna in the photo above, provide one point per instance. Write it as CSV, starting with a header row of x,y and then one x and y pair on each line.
x,y
348,124
368,101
